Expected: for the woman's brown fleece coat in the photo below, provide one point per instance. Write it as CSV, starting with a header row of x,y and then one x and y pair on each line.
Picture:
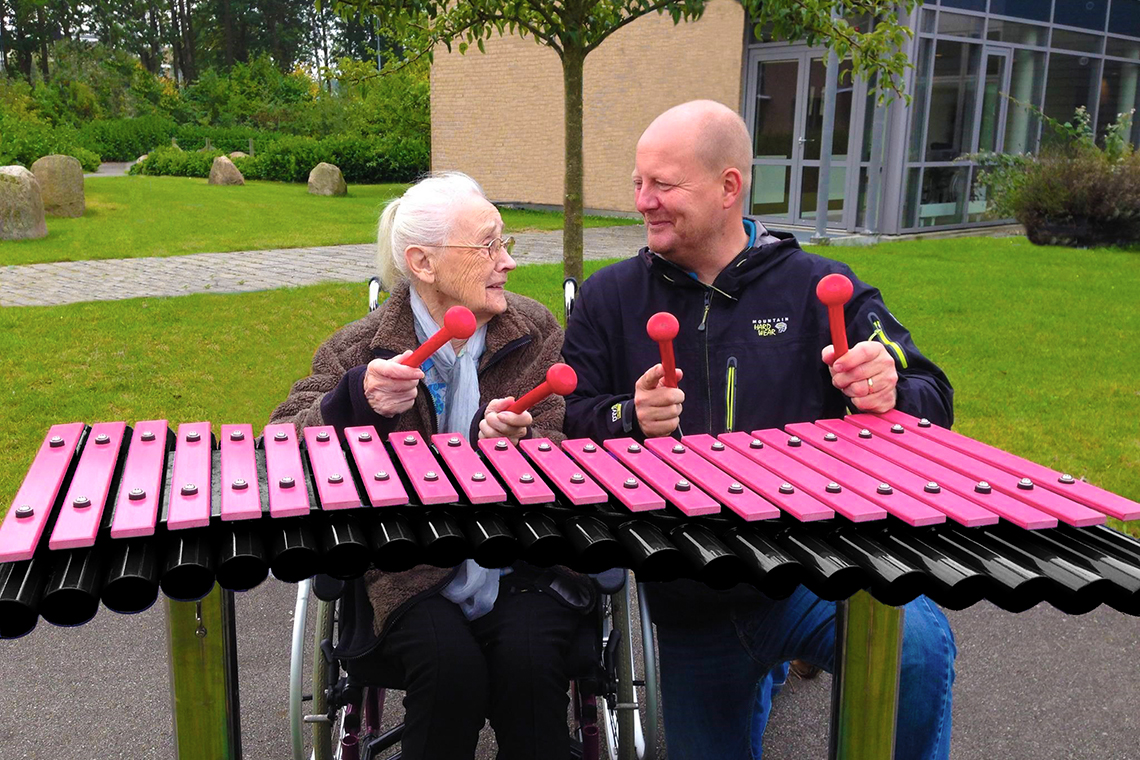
x,y
521,344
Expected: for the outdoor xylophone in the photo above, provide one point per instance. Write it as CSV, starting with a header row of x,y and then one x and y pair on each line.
x,y
886,502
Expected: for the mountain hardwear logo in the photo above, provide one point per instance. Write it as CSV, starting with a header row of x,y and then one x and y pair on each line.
x,y
768,327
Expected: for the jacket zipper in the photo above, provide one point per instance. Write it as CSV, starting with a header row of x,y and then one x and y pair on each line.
x,y
708,371
730,395
880,333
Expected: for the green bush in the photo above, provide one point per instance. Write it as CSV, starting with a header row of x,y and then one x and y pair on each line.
x,y
127,139
1075,192
363,160
22,141
173,162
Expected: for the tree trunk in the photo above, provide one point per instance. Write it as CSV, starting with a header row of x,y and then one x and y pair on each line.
x,y
176,44
43,28
228,32
188,52
573,60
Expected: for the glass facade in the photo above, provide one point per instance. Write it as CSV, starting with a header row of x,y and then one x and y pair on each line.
x,y
977,64
978,61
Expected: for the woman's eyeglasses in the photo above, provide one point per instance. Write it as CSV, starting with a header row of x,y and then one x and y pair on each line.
x,y
491,250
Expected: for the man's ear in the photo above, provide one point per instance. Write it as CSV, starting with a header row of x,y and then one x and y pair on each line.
x,y
732,185
421,264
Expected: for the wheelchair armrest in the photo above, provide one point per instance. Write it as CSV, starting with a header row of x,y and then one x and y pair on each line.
x,y
327,588
610,581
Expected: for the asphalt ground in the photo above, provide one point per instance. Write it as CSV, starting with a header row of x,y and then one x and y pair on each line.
x,y
1039,685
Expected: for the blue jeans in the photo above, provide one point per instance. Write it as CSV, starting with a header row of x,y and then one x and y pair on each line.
x,y
717,650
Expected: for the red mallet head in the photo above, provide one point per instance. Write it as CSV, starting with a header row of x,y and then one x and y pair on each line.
x,y
560,379
834,291
459,322
663,328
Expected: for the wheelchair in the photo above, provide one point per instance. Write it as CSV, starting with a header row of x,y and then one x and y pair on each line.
x,y
346,717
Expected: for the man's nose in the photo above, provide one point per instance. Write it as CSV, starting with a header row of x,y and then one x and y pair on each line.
x,y
644,199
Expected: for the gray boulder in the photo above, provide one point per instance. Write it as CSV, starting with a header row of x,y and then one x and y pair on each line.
x,y
326,179
61,185
21,207
223,172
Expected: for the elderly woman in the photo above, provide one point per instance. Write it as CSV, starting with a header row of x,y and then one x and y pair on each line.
x,y
465,643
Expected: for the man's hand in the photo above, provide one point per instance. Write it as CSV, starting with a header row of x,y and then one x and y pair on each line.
x,y
658,406
497,422
866,374
390,387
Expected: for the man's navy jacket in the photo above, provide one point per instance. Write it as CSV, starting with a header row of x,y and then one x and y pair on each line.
x,y
749,345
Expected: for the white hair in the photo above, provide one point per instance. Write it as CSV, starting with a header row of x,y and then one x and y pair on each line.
x,y
423,215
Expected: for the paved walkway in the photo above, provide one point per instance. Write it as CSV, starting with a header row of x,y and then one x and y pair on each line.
x,y
115,279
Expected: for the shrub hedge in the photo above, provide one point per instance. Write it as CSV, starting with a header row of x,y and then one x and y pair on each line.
x,y
361,160
22,141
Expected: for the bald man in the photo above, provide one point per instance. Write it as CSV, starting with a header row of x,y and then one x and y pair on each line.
x,y
753,352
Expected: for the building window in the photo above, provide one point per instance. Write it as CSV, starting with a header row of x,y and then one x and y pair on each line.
x,y
1117,93
1087,14
966,5
1037,10
1125,17
950,124
1072,83
1014,33
1027,81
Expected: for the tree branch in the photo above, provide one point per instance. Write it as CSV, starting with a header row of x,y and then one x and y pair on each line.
x,y
623,22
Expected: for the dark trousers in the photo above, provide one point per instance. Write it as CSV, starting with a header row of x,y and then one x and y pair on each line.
x,y
509,666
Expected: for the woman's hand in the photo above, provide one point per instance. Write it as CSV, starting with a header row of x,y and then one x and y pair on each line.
x,y
497,422
391,387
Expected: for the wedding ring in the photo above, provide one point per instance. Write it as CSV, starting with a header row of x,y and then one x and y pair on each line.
x,y
870,386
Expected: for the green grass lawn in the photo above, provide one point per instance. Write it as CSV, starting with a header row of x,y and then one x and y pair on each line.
x,y
129,217
1038,342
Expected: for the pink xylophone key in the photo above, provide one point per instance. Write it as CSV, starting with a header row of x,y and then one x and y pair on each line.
x,y
1079,491
423,469
796,502
189,502
381,482
909,510
81,513
335,488
668,482
241,492
465,465
919,485
136,511
24,524
516,472
719,484
846,502
626,488
288,494
1022,489
575,485
907,451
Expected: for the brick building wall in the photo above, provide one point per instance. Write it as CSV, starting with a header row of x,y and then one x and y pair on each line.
x,y
498,116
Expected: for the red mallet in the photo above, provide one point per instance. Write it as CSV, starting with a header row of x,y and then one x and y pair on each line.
x,y
834,291
560,379
458,322
663,328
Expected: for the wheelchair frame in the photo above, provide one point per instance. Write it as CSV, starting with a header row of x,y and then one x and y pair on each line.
x,y
622,734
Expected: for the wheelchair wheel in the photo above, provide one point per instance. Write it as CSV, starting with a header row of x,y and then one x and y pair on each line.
x,y
622,737
322,732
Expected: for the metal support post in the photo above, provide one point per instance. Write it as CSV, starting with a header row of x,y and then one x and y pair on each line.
x,y
203,677
865,687
823,190
875,170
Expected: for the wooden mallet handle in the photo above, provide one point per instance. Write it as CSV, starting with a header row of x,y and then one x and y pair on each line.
x,y
458,322
834,291
560,379
663,328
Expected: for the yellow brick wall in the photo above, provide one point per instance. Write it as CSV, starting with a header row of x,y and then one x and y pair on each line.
x,y
498,116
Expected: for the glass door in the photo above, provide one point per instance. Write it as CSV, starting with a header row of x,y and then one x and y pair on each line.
x,y
785,116
992,109
775,122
